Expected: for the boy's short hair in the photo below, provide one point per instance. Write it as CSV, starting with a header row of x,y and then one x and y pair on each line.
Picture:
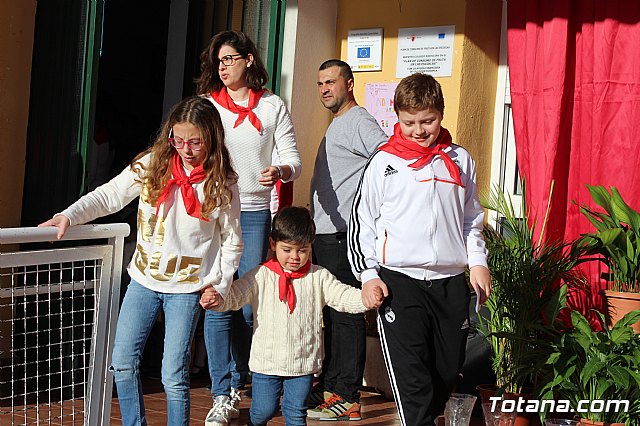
x,y
293,225
417,93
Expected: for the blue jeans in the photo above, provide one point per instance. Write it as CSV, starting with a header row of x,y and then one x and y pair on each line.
x,y
265,398
227,335
138,313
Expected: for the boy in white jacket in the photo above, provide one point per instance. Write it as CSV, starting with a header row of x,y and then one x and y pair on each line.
x,y
287,294
415,224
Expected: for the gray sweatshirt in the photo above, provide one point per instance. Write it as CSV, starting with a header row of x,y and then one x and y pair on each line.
x,y
349,141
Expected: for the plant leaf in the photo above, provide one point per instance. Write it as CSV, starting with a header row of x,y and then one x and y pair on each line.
x,y
622,210
590,369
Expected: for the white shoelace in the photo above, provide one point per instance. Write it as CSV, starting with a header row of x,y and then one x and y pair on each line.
x,y
221,407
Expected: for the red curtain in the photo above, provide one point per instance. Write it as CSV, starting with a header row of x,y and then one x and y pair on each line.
x,y
575,89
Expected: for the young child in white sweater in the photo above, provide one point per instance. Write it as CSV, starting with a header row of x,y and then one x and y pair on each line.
x,y
287,294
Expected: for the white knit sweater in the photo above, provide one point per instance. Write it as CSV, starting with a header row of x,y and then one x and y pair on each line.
x,y
251,152
289,344
180,254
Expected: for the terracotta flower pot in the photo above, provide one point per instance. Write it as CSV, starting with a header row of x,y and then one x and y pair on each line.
x,y
618,304
522,419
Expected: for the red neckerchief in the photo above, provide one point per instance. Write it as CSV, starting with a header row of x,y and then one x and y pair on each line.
x,y
189,197
285,284
400,146
222,97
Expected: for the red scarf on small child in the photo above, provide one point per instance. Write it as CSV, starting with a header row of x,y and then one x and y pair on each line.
x,y
189,196
222,97
285,284
400,146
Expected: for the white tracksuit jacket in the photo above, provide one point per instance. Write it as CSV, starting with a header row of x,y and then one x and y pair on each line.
x,y
417,222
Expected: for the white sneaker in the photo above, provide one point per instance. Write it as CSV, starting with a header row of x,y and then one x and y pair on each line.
x,y
234,403
219,415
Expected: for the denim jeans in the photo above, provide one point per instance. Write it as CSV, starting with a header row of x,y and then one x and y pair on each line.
x,y
227,335
138,314
265,398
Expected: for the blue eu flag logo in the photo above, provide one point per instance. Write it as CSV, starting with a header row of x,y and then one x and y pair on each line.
x,y
364,52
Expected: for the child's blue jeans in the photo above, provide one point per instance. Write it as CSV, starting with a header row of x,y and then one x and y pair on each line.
x,y
265,398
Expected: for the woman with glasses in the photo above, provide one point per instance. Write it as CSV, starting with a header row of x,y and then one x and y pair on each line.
x,y
188,238
256,122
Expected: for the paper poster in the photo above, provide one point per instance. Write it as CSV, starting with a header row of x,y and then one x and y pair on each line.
x,y
427,50
364,49
379,102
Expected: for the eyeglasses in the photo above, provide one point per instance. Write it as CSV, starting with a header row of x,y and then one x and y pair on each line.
x,y
178,143
229,60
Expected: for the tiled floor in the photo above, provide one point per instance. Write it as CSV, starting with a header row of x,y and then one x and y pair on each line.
x,y
376,410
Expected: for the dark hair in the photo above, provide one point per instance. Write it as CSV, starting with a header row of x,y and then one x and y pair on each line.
x,y
293,225
417,93
345,68
209,80
219,174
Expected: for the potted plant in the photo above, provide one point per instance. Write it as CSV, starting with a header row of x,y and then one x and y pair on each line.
x,y
617,240
597,372
530,281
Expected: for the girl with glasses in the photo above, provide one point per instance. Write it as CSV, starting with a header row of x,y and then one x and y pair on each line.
x,y
188,239
256,122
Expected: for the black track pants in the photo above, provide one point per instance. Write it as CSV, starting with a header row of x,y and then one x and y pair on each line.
x,y
345,337
423,332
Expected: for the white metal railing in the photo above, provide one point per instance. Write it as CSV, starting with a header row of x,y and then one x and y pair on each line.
x,y
58,310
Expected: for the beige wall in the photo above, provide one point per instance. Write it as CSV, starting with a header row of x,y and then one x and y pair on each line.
x,y
390,16
470,91
310,37
17,20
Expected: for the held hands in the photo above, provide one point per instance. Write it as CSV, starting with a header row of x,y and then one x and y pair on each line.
x,y
209,298
270,176
373,293
59,221
480,279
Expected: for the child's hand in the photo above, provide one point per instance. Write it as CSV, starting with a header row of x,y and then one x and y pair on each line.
x,y
373,293
480,279
209,298
59,221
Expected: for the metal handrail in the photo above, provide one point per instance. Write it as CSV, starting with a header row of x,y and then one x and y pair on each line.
x,y
49,233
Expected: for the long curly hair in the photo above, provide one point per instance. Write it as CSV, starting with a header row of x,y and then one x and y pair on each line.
x,y
209,80
217,163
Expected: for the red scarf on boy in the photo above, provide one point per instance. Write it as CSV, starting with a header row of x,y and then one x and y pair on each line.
x,y
189,196
399,146
285,284
222,97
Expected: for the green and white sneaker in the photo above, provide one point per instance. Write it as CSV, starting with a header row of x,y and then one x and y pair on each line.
x,y
335,408
317,397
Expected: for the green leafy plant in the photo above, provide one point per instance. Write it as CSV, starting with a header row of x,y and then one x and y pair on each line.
x,y
583,365
530,281
616,239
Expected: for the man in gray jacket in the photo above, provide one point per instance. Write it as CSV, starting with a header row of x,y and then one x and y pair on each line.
x,y
351,138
